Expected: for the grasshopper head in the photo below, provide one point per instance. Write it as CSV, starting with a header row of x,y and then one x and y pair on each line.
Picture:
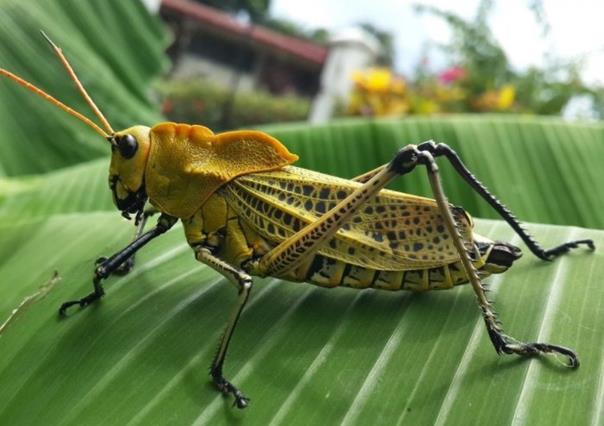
x,y
130,147
129,154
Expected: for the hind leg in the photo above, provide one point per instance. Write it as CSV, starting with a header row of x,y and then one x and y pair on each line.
x,y
438,150
292,251
502,342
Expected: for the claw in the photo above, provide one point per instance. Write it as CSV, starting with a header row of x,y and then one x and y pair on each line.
x,y
532,349
83,302
506,344
566,247
65,306
241,402
227,387
570,354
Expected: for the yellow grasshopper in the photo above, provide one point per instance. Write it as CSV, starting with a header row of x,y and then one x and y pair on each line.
x,y
246,211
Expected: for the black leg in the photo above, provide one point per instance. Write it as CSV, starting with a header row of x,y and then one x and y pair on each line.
x,y
110,265
441,149
128,264
244,285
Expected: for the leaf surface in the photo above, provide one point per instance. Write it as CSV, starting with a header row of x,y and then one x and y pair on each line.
x,y
303,354
545,169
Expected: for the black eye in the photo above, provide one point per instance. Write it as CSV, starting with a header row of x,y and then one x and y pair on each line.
x,y
127,146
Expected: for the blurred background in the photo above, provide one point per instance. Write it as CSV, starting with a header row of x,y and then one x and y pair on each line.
x,y
318,60
516,87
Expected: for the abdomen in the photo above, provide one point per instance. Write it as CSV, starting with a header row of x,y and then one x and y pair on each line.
x,y
490,257
326,272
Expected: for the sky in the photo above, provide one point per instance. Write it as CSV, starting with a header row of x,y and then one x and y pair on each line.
x,y
577,28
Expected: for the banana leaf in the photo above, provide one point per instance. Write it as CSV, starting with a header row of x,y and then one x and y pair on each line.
x,y
305,355
79,188
545,169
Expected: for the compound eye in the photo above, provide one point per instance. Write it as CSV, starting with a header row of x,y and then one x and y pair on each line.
x,y
127,146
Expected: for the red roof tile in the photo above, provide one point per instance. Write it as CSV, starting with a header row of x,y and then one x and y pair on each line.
x,y
298,48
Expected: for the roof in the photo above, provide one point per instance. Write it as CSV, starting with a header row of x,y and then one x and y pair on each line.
x,y
220,22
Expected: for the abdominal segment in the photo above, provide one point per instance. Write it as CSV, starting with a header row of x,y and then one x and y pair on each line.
x,y
326,272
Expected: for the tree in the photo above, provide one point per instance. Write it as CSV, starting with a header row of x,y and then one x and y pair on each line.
x,y
474,48
386,55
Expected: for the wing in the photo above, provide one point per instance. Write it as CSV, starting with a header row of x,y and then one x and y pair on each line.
x,y
394,231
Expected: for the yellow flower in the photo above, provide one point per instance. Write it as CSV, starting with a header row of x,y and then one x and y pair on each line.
x,y
496,100
425,106
507,94
378,79
447,94
378,92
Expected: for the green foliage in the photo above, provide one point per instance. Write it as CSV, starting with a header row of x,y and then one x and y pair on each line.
x,y
475,50
475,47
116,48
305,355
385,39
194,101
80,188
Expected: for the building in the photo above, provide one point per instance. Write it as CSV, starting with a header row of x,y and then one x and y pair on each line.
x,y
213,45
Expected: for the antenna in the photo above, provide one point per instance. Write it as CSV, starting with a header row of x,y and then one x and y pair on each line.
x,y
79,85
106,134
53,101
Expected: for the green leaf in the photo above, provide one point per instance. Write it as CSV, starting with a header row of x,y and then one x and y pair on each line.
x,y
115,47
304,354
80,188
545,169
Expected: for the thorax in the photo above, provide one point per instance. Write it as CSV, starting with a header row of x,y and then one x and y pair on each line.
x,y
218,227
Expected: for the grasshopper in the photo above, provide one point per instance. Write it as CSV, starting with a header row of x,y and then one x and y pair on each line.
x,y
246,211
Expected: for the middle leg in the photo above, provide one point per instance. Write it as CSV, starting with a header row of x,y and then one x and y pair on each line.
x,y
244,285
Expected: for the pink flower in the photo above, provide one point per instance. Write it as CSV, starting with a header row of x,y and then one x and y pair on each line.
x,y
451,75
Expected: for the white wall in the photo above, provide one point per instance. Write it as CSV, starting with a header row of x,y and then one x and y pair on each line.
x,y
349,51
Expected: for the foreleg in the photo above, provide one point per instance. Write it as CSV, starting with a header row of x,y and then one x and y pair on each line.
x,y
109,266
128,264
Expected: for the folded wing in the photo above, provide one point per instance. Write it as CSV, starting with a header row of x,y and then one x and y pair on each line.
x,y
393,231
